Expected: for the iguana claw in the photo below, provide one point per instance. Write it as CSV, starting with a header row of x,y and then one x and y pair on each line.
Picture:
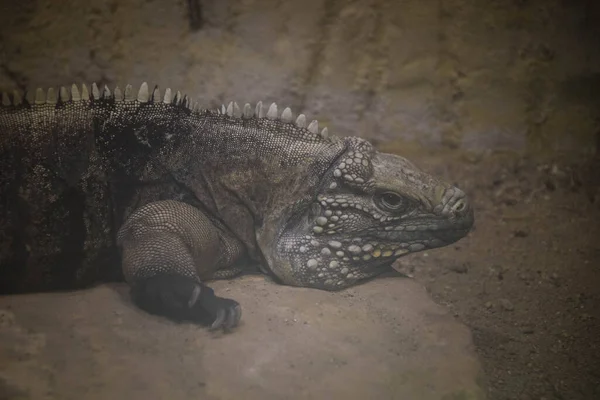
x,y
226,312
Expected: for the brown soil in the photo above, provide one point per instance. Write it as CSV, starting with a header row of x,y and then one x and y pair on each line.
x,y
527,279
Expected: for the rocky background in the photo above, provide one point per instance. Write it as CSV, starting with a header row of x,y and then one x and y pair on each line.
x,y
499,96
518,75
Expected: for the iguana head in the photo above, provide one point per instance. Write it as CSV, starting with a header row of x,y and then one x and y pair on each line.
x,y
370,209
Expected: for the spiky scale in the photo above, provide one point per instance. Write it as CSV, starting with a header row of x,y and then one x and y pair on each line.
x,y
260,110
286,115
85,94
272,113
325,133
314,126
177,98
167,99
247,110
17,99
51,96
237,112
301,121
118,94
63,94
40,96
230,109
5,99
129,93
143,93
106,92
95,91
75,93
156,94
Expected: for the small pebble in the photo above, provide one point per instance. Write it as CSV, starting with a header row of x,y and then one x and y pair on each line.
x,y
506,304
521,233
459,268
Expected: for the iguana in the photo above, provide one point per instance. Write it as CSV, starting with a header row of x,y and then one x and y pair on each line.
x,y
94,182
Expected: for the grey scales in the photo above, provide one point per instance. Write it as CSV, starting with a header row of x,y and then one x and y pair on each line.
x,y
100,185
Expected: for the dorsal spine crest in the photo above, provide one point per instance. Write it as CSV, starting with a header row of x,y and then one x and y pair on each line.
x,y
143,96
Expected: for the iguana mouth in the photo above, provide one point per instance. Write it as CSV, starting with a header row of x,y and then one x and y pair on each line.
x,y
431,233
326,249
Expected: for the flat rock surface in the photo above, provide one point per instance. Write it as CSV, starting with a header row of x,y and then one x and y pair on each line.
x,y
385,339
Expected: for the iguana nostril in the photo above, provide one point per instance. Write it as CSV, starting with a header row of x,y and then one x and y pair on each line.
x,y
459,206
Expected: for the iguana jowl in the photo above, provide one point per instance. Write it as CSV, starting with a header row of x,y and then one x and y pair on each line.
x,y
188,195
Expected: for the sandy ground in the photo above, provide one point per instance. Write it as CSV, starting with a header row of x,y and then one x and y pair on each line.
x,y
527,280
385,340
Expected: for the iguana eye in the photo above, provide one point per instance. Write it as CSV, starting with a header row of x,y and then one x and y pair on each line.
x,y
391,201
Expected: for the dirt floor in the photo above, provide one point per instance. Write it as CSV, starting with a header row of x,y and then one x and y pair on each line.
x,y
383,340
527,279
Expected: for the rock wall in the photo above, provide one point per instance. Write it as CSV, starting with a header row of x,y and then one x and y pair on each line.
x,y
471,74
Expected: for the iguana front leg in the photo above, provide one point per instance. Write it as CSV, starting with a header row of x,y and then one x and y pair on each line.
x,y
167,249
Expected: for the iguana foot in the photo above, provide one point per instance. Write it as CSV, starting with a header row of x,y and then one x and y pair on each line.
x,y
167,249
181,298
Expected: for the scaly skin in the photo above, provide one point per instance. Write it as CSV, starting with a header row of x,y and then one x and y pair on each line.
x,y
371,208
188,195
